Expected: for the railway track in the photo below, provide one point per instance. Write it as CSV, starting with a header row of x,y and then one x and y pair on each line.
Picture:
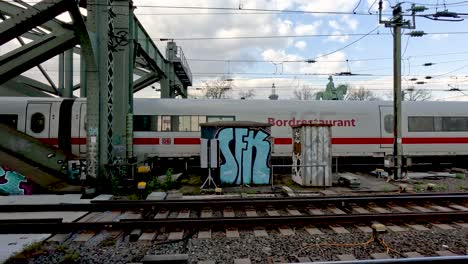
x,y
167,226
244,213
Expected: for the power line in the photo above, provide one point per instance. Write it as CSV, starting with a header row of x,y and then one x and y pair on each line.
x,y
229,9
446,4
273,36
349,60
258,9
349,44
297,36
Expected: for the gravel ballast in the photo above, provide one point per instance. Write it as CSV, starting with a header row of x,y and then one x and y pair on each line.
x,y
224,250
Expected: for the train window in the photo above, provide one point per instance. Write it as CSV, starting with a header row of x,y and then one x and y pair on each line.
x,y
9,120
165,123
196,121
421,124
37,123
145,123
201,119
184,123
388,123
454,123
219,118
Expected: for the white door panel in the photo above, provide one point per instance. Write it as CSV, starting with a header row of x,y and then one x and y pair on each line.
x,y
82,129
386,124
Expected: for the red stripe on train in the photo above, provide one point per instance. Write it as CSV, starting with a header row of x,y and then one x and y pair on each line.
x,y
146,141
283,141
186,141
361,141
435,140
136,141
78,141
343,141
287,141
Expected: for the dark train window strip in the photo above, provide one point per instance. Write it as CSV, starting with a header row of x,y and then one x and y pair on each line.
x,y
437,124
9,120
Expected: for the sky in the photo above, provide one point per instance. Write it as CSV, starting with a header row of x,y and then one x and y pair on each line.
x,y
263,42
257,63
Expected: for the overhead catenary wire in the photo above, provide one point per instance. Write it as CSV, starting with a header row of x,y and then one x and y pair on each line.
x,y
292,11
164,38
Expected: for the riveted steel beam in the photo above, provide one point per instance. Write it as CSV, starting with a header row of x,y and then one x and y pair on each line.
x,y
30,18
145,81
34,53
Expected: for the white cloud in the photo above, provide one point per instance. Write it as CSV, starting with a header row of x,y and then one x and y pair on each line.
x,y
439,36
334,24
342,38
325,65
344,24
284,27
223,26
327,5
307,29
300,44
350,22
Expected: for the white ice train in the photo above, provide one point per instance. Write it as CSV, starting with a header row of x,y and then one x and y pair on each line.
x,y
169,128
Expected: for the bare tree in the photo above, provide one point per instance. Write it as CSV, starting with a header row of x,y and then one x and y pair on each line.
x,y
416,95
247,94
218,89
305,93
361,94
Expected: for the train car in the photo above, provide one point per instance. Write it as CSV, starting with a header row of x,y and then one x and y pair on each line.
x,y
169,128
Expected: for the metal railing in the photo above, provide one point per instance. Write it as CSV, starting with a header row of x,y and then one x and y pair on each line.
x,y
184,63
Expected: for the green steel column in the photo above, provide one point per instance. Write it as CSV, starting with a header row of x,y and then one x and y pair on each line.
x,y
131,66
68,88
167,83
100,98
61,74
83,75
123,72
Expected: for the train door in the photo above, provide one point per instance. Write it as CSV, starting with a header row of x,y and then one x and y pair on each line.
x,y
82,129
38,120
386,126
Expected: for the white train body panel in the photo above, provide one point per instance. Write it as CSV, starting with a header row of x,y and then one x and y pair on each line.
x,y
359,128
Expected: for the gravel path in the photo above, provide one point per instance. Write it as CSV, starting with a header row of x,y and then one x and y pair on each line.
x,y
225,250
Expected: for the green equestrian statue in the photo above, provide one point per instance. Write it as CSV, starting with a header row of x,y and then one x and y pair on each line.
x,y
332,93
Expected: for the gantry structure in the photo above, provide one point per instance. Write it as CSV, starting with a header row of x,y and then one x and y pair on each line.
x,y
117,58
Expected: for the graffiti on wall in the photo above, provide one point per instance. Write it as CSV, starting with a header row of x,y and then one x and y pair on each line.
x,y
77,169
13,183
297,153
245,155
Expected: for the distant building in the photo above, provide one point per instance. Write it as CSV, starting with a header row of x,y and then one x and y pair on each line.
x,y
273,95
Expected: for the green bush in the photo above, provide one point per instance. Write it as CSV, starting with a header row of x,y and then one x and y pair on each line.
x,y
167,184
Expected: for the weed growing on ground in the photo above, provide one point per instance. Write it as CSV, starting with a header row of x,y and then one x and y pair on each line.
x,y
440,187
385,188
419,187
27,252
71,257
109,242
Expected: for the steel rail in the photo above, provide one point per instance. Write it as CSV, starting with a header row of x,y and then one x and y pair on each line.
x,y
421,260
50,226
100,205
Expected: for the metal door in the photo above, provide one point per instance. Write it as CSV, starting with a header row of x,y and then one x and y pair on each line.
x,y
82,129
38,120
386,126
